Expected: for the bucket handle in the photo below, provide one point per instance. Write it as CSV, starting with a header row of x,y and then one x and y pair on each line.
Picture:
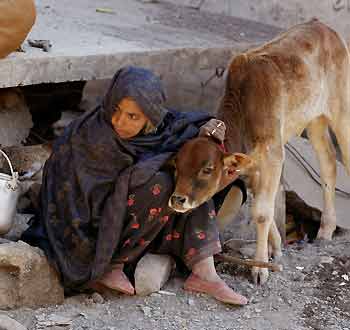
x,y
14,176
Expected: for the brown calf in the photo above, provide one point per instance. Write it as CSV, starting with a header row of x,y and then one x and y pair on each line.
x,y
300,80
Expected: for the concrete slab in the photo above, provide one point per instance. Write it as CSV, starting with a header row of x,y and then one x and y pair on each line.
x,y
88,44
335,13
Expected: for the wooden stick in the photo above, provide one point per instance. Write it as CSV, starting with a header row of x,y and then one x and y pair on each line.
x,y
240,240
249,262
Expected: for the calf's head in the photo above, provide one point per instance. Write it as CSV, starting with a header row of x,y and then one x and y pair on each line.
x,y
202,169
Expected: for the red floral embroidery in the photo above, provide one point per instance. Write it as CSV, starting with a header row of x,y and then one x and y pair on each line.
x,y
155,211
135,225
131,200
201,235
164,219
156,190
127,242
176,235
143,242
191,252
169,237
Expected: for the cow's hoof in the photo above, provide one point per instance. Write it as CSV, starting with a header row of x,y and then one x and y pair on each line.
x,y
324,235
260,275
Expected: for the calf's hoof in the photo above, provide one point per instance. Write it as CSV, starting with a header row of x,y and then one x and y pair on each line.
x,y
260,275
324,234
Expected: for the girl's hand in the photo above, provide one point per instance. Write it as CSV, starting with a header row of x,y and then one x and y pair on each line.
x,y
215,128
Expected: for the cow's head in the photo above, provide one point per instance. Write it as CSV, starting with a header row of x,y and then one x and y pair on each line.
x,y
202,169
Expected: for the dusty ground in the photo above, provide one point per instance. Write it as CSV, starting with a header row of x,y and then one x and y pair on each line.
x,y
313,292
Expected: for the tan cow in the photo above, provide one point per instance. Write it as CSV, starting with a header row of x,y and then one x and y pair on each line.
x,y
300,80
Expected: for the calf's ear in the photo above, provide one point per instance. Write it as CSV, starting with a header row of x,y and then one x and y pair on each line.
x,y
237,161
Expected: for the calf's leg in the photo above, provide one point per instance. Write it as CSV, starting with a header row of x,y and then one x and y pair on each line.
x,y
275,240
270,169
342,132
321,142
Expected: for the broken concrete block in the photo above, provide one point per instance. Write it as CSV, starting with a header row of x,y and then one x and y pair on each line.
x,y
15,118
26,278
7,323
152,272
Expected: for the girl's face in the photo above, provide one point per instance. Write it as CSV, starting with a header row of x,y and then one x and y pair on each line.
x,y
128,119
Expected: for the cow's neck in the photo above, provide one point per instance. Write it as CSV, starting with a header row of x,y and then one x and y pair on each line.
x,y
231,116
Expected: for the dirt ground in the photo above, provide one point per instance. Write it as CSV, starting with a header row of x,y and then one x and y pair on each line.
x,y
313,292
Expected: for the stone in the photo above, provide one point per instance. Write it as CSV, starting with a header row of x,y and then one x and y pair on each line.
x,y
152,272
97,298
191,302
326,260
15,118
26,278
7,323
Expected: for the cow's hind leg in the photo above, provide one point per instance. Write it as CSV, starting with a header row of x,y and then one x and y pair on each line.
x,y
342,132
270,168
321,142
275,241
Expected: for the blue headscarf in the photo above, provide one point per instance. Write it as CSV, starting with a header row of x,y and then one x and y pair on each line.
x,y
87,178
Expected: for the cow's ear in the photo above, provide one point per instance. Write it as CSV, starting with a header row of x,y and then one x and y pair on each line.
x,y
237,161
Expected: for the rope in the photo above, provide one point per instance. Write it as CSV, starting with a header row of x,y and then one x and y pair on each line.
x,y
311,171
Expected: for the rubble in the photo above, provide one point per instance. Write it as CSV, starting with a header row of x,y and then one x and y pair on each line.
x,y
26,278
7,323
15,118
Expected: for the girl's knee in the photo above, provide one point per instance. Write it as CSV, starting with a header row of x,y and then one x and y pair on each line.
x,y
160,185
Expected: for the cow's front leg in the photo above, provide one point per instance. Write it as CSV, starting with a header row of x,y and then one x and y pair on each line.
x,y
263,214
